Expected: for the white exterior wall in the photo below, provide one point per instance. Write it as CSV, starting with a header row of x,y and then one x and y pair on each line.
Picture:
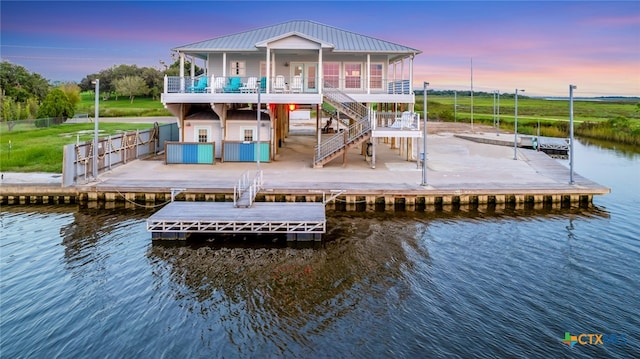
x,y
235,130
252,62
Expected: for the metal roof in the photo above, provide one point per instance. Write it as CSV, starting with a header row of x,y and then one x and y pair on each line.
x,y
337,39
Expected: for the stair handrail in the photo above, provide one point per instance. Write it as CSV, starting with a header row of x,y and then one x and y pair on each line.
x,y
347,104
354,132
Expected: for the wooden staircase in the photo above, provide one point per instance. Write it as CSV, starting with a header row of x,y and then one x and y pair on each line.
x,y
357,132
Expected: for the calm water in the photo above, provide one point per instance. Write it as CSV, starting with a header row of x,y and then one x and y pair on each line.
x,y
91,284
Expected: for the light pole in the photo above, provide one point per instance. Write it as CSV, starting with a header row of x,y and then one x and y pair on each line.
x,y
424,138
538,137
95,129
571,88
498,114
494,109
455,106
258,132
515,128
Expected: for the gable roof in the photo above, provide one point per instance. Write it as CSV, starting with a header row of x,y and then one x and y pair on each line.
x,y
328,36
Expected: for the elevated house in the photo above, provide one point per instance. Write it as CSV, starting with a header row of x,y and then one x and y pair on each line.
x,y
362,83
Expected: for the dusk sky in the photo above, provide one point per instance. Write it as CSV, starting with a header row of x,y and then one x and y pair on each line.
x,y
539,46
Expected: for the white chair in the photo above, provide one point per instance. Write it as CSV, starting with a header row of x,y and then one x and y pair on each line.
x,y
296,84
251,85
278,84
218,84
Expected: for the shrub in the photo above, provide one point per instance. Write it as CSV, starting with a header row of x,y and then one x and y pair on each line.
x,y
56,105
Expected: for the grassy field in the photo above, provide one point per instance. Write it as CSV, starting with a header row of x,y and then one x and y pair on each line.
x,y
611,120
122,107
40,149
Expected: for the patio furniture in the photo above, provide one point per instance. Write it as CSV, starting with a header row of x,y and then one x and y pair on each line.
x,y
263,84
406,121
250,86
296,84
218,84
201,85
234,85
278,84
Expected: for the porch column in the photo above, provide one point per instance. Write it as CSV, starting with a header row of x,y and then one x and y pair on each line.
x,y
268,70
320,73
318,124
366,71
373,117
192,71
181,55
181,122
411,74
206,68
393,85
373,152
224,65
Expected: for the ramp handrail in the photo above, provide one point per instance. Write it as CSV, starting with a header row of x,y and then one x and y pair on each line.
x,y
243,185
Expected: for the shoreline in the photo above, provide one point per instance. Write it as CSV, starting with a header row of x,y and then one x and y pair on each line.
x,y
460,173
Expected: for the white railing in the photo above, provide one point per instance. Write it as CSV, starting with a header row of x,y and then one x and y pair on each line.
x,y
221,84
247,189
402,120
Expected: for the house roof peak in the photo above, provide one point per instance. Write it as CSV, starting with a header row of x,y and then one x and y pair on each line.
x,y
341,40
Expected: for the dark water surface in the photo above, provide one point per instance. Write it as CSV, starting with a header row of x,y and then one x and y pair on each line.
x,y
482,284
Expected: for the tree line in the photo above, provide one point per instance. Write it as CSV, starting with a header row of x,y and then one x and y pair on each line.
x,y
27,95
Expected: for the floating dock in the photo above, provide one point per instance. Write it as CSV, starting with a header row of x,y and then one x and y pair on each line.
x,y
298,221
555,147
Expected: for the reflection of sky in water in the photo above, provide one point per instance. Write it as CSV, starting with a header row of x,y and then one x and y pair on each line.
x,y
453,283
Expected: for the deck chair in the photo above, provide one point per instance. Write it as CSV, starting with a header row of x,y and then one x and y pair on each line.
x,y
201,85
218,84
251,85
263,84
296,84
234,85
278,84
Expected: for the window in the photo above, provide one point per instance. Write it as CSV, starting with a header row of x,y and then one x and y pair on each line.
x,y
375,76
247,134
201,134
352,75
237,68
331,73
311,76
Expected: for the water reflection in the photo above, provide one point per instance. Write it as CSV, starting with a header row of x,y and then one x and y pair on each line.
x,y
90,225
285,294
630,152
291,291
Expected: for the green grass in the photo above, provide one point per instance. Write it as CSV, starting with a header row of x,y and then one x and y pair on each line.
x,y
611,120
122,107
40,149
537,107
